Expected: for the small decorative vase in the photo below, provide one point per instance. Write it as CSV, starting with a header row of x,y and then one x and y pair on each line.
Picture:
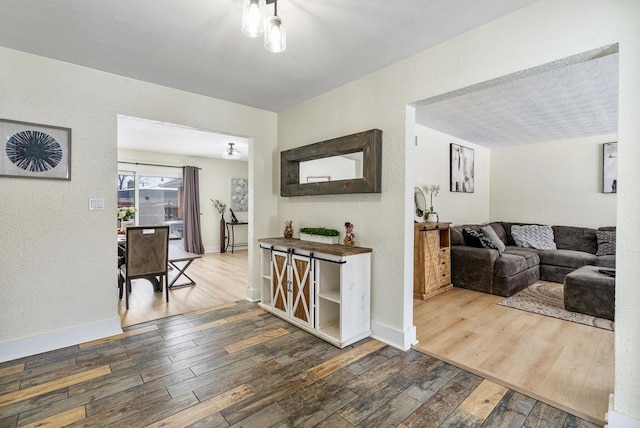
x,y
288,229
432,217
349,236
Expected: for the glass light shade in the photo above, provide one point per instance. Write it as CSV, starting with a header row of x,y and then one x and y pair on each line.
x,y
253,12
275,35
230,152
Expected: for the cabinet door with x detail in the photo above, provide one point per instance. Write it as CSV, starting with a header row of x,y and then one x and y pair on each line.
x,y
302,289
280,282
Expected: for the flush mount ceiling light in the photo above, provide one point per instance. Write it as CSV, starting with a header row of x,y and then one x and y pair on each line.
x,y
231,152
254,24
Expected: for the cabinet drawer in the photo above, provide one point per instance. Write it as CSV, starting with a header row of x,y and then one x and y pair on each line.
x,y
444,279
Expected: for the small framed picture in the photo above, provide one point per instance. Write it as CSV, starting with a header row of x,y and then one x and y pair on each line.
x,y
610,168
462,169
32,150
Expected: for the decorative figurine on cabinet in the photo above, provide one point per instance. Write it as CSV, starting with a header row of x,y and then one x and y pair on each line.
x,y
349,237
288,229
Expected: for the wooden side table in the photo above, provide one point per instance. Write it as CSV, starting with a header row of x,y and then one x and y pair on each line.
x,y
431,259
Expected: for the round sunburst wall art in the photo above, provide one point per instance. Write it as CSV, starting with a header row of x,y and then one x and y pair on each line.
x,y
34,151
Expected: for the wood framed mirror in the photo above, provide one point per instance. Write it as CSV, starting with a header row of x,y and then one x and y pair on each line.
x,y
350,164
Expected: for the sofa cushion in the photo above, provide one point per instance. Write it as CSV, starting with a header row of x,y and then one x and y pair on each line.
x,y
533,236
606,243
606,261
567,258
499,229
490,233
531,255
575,238
512,264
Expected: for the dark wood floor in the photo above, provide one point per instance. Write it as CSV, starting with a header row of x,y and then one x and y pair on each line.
x,y
237,365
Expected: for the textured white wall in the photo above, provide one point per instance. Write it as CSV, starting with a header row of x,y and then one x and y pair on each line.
x,y
432,167
215,183
546,31
57,259
558,182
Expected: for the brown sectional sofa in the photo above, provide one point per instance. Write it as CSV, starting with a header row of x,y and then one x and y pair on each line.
x,y
486,270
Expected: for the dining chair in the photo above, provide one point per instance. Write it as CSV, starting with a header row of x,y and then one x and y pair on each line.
x,y
146,256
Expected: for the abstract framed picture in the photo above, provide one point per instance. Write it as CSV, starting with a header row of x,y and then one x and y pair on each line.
x,y
240,194
462,169
32,150
610,167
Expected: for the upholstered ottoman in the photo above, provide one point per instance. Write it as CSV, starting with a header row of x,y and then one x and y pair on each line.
x,y
590,292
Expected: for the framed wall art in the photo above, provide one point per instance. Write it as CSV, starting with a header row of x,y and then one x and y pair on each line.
x,y
610,167
32,150
240,194
462,169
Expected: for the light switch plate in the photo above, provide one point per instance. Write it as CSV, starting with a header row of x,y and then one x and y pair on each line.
x,y
96,204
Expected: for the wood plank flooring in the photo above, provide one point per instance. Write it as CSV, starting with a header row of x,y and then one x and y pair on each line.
x,y
564,364
236,365
227,362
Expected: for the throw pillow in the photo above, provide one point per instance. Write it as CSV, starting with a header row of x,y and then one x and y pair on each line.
x,y
533,236
606,243
476,239
471,238
492,236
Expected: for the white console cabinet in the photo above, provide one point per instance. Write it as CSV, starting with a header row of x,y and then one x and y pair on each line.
x,y
322,288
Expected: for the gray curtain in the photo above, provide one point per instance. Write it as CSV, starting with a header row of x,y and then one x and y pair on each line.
x,y
192,230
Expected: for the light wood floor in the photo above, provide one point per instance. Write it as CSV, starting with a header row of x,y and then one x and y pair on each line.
x,y
561,363
220,278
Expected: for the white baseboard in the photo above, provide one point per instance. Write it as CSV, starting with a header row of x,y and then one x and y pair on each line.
x,y
254,294
398,339
58,339
618,420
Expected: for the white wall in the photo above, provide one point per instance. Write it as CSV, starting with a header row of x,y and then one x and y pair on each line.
x,y
57,259
215,183
432,167
544,32
45,289
558,182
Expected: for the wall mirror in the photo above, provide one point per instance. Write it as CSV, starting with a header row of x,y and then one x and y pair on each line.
x,y
350,164
420,204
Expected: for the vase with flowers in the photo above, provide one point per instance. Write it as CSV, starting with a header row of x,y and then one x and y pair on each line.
x,y
125,217
221,207
431,216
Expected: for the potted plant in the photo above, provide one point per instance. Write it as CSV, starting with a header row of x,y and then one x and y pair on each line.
x,y
432,216
320,234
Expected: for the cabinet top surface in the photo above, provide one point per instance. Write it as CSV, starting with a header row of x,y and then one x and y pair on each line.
x,y
333,249
432,226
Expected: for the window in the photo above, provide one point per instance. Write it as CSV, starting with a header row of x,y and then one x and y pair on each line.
x,y
157,196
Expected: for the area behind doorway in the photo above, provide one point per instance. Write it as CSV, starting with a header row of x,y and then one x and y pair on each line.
x,y
220,278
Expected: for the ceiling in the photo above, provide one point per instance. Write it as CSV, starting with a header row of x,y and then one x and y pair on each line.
x,y
197,46
154,136
554,102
